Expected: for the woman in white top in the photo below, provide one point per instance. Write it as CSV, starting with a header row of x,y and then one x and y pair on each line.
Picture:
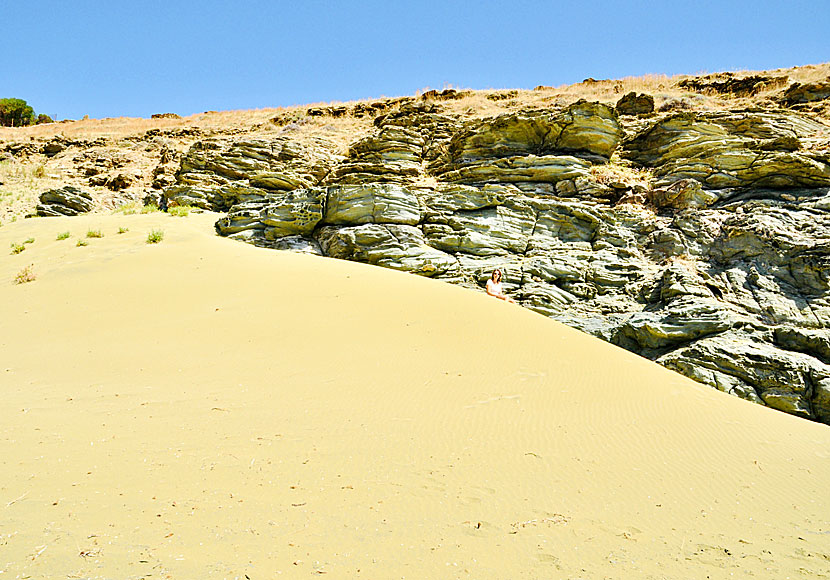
x,y
494,287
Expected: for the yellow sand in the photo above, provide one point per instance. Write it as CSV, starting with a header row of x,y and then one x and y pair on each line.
x,y
201,408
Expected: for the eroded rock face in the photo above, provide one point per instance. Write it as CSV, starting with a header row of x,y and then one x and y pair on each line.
x,y
798,93
733,151
583,128
218,173
724,275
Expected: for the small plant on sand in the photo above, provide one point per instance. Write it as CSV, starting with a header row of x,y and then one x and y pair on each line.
x,y
155,236
62,236
123,230
150,208
17,248
94,234
25,275
39,171
81,243
29,241
179,210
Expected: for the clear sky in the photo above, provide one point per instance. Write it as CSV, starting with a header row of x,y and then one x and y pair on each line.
x,y
139,57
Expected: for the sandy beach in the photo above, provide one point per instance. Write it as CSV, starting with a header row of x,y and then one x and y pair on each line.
x,y
200,408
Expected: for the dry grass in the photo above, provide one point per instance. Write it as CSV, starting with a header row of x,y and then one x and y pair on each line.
x,y
25,275
603,90
617,172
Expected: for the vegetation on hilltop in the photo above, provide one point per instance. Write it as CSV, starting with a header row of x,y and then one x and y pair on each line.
x,y
18,113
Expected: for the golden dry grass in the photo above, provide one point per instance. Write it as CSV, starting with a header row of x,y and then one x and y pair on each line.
x,y
475,104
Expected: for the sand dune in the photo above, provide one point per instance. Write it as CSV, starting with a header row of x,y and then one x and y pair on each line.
x,y
200,408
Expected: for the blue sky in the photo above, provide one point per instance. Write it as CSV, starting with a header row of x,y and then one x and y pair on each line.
x,y
135,58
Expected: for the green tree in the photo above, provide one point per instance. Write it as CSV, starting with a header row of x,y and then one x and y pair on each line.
x,y
16,113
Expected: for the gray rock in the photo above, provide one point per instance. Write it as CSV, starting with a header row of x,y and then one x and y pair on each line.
x,y
216,174
682,194
529,168
756,370
293,213
590,128
495,230
732,150
65,201
398,247
371,203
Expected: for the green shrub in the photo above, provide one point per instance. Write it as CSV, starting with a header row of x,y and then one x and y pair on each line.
x,y
150,208
43,118
123,230
39,172
29,241
17,248
62,236
81,242
155,236
94,234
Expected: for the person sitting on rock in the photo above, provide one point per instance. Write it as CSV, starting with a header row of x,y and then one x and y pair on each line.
x,y
494,287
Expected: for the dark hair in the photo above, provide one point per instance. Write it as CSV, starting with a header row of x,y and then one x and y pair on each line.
x,y
493,275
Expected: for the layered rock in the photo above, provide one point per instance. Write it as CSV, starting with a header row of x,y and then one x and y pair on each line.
x,y
65,201
724,276
218,173
797,93
731,84
634,104
733,151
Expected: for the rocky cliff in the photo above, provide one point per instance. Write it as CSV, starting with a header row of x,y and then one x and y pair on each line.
x,y
694,235
697,239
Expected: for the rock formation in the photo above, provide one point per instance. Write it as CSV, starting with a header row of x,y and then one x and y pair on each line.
x,y
718,270
65,201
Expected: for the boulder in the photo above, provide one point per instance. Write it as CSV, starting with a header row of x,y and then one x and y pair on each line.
x,y
276,215
211,197
216,174
583,128
683,320
634,104
293,213
65,201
